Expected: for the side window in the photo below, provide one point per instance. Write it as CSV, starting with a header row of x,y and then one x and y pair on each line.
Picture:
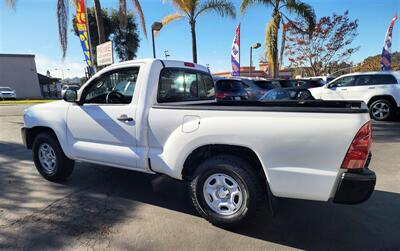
x,y
117,88
343,82
364,80
383,79
177,85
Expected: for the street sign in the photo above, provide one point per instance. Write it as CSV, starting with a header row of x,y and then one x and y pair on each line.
x,y
104,54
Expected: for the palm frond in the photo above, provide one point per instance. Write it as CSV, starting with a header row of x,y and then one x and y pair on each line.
x,y
168,19
122,15
303,10
11,3
247,3
222,7
62,19
139,11
172,17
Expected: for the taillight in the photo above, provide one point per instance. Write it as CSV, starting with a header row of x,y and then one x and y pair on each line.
x,y
221,95
357,154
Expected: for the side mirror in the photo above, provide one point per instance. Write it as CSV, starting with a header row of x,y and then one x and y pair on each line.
x,y
70,95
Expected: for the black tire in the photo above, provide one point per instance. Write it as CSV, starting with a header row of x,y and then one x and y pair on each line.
x,y
246,178
376,115
63,166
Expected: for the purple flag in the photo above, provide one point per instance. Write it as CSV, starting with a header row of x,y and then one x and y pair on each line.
x,y
386,58
235,54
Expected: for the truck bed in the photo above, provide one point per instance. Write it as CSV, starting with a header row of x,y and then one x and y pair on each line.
x,y
317,106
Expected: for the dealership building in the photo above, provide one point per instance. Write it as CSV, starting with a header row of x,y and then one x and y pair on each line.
x,y
18,71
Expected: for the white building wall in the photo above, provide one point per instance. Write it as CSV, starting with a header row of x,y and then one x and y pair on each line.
x,y
18,71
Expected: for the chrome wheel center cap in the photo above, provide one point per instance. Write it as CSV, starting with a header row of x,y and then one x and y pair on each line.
x,y
223,192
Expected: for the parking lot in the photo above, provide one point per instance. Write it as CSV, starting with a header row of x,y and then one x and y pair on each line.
x,y
105,208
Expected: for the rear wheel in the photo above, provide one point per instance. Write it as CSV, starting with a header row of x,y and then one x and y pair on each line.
x,y
49,158
226,191
381,110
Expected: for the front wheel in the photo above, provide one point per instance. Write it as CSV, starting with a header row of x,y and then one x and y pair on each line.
x,y
49,158
226,191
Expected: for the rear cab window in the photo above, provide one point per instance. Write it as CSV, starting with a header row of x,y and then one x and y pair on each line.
x,y
182,85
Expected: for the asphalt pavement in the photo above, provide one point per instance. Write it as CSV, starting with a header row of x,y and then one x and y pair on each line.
x,y
100,208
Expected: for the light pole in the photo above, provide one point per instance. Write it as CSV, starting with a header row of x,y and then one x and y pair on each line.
x,y
62,71
156,26
254,46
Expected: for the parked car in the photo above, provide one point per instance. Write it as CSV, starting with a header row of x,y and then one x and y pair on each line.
x,y
287,94
256,87
230,89
7,93
309,83
379,90
235,155
284,83
69,86
324,79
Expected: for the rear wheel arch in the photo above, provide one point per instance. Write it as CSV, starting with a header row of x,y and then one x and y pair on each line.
x,y
385,97
202,153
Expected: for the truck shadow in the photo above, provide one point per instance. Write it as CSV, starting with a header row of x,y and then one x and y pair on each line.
x,y
298,224
386,131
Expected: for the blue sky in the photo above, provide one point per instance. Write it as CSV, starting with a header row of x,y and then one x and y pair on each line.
x,y
32,28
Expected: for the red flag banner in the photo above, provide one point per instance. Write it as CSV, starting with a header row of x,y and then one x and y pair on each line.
x,y
83,31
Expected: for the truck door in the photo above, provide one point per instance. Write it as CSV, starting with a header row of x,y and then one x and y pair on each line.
x,y
103,128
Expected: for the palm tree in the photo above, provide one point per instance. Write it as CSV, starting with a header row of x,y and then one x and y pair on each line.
x,y
297,7
139,12
192,9
62,19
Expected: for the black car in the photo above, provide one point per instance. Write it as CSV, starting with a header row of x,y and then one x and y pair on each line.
x,y
287,94
230,89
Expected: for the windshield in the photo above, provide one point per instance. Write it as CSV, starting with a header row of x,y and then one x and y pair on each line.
x,y
5,89
266,85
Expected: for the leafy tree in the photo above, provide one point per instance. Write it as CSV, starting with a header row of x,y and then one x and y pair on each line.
x,y
326,47
125,40
372,63
297,7
191,9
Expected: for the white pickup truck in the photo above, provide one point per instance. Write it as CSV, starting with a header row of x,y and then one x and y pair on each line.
x,y
160,117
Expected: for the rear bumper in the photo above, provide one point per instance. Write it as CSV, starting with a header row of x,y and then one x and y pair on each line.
x,y
355,188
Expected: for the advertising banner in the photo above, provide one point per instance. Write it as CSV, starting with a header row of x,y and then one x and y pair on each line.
x,y
235,54
83,31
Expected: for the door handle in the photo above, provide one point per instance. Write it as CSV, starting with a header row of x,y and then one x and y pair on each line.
x,y
124,118
371,87
343,89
